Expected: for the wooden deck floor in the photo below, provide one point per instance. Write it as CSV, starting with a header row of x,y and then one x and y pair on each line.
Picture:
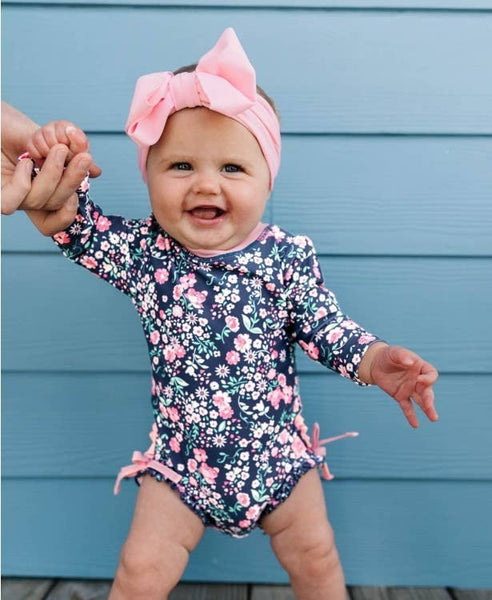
x,y
62,589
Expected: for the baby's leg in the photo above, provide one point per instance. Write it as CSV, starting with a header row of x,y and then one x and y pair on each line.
x,y
304,543
163,533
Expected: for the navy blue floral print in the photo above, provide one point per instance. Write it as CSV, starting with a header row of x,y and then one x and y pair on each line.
x,y
221,333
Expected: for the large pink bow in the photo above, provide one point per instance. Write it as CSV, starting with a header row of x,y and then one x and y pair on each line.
x,y
224,81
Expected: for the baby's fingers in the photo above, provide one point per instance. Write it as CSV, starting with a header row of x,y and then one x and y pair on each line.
x,y
409,412
426,402
78,142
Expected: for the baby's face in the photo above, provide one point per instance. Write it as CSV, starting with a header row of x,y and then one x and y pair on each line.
x,y
208,180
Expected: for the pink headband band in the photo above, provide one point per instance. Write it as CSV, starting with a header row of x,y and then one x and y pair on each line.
x,y
224,81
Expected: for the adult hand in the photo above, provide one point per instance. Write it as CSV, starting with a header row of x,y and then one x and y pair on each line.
x,y
54,185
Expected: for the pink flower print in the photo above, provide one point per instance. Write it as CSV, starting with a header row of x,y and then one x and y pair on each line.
x,y
62,237
154,337
175,447
177,311
242,342
310,348
365,339
232,323
226,412
221,399
288,274
103,224
244,523
301,427
84,186
161,275
196,298
243,499
143,244
287,390
282,379
209,473
162,243
271,374
270,287
169,354
187,281
320,313
173,413
192,481
283,438
334,336
274,397
88,262
253,512
177,291
232,357
200,454
298,447
180,351
192,465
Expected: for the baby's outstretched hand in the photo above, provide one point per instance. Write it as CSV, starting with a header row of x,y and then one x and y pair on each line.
x,y
60,132
405,376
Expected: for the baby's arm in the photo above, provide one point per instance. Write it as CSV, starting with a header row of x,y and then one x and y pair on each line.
x,y
327,335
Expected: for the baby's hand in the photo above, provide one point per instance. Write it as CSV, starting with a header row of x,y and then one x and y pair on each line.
x,y
60,132
405,377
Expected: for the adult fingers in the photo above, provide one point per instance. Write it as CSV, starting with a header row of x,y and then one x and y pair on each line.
x,y
51,222
70,181
46,182
15,191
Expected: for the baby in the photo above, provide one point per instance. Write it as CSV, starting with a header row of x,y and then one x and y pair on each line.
x,y
223,298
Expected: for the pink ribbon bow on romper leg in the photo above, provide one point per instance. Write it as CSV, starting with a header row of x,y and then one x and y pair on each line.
x,y
224,81
317,447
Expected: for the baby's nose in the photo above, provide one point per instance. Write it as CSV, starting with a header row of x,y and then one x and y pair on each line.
x,y
206,183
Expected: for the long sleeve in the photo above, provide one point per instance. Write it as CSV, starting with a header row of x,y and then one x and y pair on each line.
x,y
108,246
318,324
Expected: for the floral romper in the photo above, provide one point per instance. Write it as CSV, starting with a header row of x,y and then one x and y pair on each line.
x,y
228,433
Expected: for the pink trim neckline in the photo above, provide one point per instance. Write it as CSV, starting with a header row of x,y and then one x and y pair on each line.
x,y
246,242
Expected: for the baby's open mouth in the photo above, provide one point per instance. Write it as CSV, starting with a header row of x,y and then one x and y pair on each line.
x,y
207,212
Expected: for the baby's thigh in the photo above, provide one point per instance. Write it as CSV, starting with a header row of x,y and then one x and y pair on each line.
x,y
301,522
162,521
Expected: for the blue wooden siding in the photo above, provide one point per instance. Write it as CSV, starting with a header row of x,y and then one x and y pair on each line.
x,y
387,132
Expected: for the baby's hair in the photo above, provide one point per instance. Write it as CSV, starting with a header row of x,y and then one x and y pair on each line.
x,y
263,94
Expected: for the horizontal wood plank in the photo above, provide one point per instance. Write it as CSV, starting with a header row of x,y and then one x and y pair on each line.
x,y
401,196
464,5
355,71
210,591
86,425
80,590
437,307
26,589
459,594
272,592
378,526
398,593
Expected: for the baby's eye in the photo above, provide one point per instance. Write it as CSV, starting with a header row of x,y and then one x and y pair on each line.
x,y
181,166
232,168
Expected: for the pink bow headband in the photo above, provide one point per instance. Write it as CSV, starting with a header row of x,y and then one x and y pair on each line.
x,y
224,81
